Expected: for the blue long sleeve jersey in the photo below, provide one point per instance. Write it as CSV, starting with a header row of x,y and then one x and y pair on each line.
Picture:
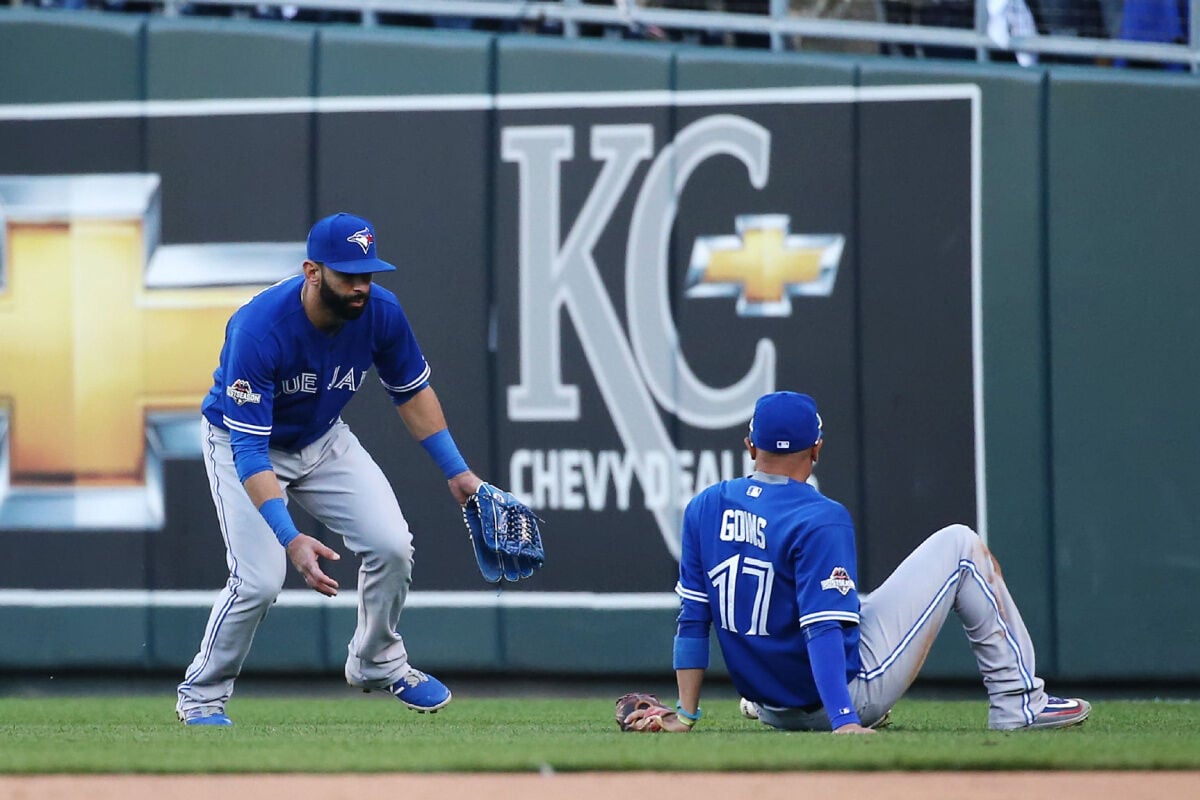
x,y
763,558
282,383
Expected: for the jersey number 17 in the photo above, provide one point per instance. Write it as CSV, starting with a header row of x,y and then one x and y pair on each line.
x,y
724,577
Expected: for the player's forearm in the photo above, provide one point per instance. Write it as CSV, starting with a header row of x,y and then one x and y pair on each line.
x,y
423,414
424,419
689,681
262,486
828,661
691,660
267,495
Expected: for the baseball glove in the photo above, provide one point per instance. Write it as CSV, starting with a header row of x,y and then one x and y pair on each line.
x,y
504,534
651,721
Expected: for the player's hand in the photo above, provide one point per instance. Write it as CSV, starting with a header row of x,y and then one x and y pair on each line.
x,y
303,552
671,723
853,727
655,720
463,485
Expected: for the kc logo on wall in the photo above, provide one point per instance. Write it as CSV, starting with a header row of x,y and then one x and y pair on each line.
x,y
637,269
663,265
761,266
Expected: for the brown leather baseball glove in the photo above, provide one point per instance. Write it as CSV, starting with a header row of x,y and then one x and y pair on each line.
x,y
651,718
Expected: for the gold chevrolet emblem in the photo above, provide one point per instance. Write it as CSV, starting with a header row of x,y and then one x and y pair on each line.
x,y
764,265
88,349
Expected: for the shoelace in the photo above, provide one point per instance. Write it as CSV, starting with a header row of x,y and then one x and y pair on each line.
x,y
403,683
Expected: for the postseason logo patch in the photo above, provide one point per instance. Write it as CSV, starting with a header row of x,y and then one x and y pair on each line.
x,y
240,391
838,579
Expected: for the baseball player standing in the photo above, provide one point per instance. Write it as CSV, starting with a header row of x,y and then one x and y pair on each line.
x,y
293,357
771,562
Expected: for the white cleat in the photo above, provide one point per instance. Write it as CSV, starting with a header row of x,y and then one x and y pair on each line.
x,y
749,710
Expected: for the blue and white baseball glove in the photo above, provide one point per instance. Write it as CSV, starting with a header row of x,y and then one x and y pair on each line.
x,y
504,533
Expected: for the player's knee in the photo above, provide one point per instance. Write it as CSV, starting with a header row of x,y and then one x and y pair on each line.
x,y
259,591
396,553
963,538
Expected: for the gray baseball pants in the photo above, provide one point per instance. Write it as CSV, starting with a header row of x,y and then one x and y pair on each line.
x,y
338,482
900,620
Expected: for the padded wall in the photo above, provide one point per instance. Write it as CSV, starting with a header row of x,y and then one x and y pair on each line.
x,y
1088,236
1015,364
54,57
1123,281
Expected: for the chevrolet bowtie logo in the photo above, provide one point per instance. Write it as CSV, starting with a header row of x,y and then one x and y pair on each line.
x,y
763,266
89,346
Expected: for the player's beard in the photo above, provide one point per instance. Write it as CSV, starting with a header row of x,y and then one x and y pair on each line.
x,y
340,304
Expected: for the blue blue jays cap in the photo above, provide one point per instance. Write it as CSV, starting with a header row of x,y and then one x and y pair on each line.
x,y
785,422
346,243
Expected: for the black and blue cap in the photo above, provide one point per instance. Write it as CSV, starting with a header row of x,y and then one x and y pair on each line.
x,y
785,422
346,243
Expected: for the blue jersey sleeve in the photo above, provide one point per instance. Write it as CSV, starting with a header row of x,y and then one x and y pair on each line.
x,y
826,572
398,359
827,656
695,616
247,405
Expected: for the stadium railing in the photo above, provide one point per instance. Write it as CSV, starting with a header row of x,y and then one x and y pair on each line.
x,y
1076,31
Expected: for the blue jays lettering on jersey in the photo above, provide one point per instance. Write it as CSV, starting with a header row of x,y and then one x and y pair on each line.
x,y
280,377
765,557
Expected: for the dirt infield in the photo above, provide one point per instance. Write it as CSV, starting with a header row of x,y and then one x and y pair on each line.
x,y
607,785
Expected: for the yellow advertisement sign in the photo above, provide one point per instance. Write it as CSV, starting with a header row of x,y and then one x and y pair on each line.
x,y
89,347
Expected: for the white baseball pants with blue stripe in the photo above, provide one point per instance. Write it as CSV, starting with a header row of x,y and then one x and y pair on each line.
x,y
899,621
338,482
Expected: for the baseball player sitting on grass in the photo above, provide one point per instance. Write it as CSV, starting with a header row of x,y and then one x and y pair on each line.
x,y
293,357
771,562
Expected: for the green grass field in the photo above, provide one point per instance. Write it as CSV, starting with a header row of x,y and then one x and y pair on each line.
x,y
139,734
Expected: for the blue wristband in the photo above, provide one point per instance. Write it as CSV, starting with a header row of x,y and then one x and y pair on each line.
x,y
444,452
275,512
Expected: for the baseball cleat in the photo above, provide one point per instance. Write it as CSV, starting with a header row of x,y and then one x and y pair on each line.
x,y
420,692
205,716
749,710
1061,713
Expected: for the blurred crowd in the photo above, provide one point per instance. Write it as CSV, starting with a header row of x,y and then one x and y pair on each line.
x,y
1160,21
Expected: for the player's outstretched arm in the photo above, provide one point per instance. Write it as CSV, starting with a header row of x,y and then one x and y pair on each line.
x,y
423,416
507,547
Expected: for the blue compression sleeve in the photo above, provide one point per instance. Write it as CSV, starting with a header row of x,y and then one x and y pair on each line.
x,y
690,653
250,453
827,656
275,512
444,452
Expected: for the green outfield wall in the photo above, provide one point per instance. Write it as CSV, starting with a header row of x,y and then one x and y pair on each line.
x,y
1086,200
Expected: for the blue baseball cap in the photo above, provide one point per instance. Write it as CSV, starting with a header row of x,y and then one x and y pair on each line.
x,y
346,243
785,422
